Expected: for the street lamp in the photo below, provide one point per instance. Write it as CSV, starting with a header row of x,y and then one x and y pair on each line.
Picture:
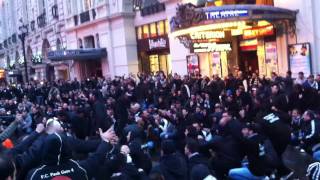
x,y
22,36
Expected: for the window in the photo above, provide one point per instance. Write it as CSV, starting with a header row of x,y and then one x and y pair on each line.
x,y
167,27
139,32
69,10
41,6
153,30
98,41
160,27
87,4
58,44
146,31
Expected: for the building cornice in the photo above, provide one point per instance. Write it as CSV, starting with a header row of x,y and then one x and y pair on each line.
x,y
103,19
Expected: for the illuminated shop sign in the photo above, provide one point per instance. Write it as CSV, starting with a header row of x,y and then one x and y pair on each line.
x,y
211,47
157,43
258,32
223,14
207,35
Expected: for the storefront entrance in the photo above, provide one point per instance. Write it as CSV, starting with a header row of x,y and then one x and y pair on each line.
x,y
244,37
249,62
158,62
90,68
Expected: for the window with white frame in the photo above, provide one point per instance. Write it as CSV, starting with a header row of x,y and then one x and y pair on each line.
x,y
69,6
41,6
87,4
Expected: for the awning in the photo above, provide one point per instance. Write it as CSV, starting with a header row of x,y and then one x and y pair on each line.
x,y
189,16
77,54
14,73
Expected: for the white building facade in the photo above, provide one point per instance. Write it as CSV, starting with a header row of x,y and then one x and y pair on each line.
x,y
70,39
45,22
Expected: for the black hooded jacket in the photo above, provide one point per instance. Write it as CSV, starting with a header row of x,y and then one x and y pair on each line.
x,y
173,167
57,162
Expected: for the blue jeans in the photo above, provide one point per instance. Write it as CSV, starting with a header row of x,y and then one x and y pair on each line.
x,y
316,155
243,174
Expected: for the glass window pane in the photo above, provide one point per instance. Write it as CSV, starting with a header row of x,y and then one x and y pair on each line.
x,y
146,31
153,30
154,63
139,32
167,27
160,26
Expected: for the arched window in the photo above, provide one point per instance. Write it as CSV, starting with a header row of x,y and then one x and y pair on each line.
x,y
29,54
45,48
59,44
80,43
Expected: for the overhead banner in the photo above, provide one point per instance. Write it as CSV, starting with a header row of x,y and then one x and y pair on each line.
x,y
300,59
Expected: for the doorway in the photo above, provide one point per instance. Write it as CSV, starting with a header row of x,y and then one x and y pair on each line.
x,y
249,62
159,62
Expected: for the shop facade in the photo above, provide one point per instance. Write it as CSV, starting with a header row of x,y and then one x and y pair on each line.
x,y
231,35
153,47
227,39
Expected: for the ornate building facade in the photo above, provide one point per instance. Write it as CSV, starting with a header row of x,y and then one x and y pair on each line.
x,y
82,38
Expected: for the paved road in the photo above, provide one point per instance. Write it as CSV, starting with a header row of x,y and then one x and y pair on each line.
x,y
298,162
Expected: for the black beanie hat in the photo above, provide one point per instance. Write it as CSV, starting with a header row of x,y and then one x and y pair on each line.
x,y
168,147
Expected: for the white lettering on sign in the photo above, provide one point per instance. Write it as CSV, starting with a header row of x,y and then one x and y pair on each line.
x,y
157,43
211,47
208,35
226,14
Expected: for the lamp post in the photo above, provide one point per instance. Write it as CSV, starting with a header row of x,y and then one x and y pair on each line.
x,y
22,36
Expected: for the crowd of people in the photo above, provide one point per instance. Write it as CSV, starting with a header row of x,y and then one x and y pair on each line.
x,y
159,127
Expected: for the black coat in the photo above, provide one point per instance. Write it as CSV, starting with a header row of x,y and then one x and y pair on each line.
x,y
172,167
57,162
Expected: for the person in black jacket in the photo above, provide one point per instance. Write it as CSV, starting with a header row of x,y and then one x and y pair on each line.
x,y
26,153
193,155
57,162
254,149
227,148
172,165
310,131
275,125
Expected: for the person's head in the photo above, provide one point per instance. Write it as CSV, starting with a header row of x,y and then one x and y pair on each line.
x,y
197,125
34,110
295,113
247,131
311,78
184,112
135,107
168,147
218,108
53,126
301,75
191,147
275,89
308,116
226,116
254,75
198,109
7,168
289,73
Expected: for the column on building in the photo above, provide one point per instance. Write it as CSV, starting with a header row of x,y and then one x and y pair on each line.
x,y
178,51
122,49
